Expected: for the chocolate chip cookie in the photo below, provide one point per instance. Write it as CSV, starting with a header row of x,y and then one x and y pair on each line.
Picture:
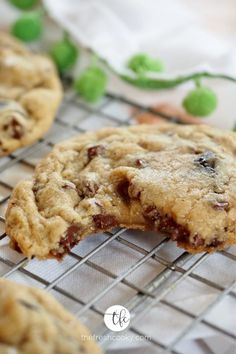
x,y
30,93
33,322
177,180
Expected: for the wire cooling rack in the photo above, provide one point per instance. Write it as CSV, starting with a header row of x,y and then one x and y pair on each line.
x,y
144,272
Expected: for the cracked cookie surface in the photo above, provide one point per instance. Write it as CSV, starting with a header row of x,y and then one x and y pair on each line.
x,y
30,93
33,322
179,180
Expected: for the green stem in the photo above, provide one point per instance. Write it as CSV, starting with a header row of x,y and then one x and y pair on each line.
x,y
41,11
158,84
66,36
198,83
148,83
94,60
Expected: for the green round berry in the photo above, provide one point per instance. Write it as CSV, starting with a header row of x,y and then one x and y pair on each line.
x,y
23,4
65,54
201,102
142,63
28,27
91,85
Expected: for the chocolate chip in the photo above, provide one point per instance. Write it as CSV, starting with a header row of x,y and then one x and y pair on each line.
x,y
94,151
104,221
207,160
35,188
177,232
151,213
127,190
166,224
71,237
215,243
15,245
68,186
123,190
28,305
139,163
16,130
221,205
197,241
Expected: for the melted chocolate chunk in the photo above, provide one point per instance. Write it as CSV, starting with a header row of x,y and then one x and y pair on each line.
x,y
221,205
177,232
151,213
15,128
207,160
94,151
123,190
71,238
197,241
166,224
127,191
215,243
16,246
104,221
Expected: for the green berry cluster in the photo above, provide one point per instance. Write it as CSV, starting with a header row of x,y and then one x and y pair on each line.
x,y
65,54
201,101
28,27
91,85
142,63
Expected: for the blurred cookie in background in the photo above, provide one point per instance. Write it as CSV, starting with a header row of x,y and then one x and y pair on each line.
x,y
30,93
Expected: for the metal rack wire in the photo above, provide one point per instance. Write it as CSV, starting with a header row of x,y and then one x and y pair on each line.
x,y
142,296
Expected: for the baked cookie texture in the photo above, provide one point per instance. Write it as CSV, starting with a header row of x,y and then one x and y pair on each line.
x,y
33,322
179,180
30,93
